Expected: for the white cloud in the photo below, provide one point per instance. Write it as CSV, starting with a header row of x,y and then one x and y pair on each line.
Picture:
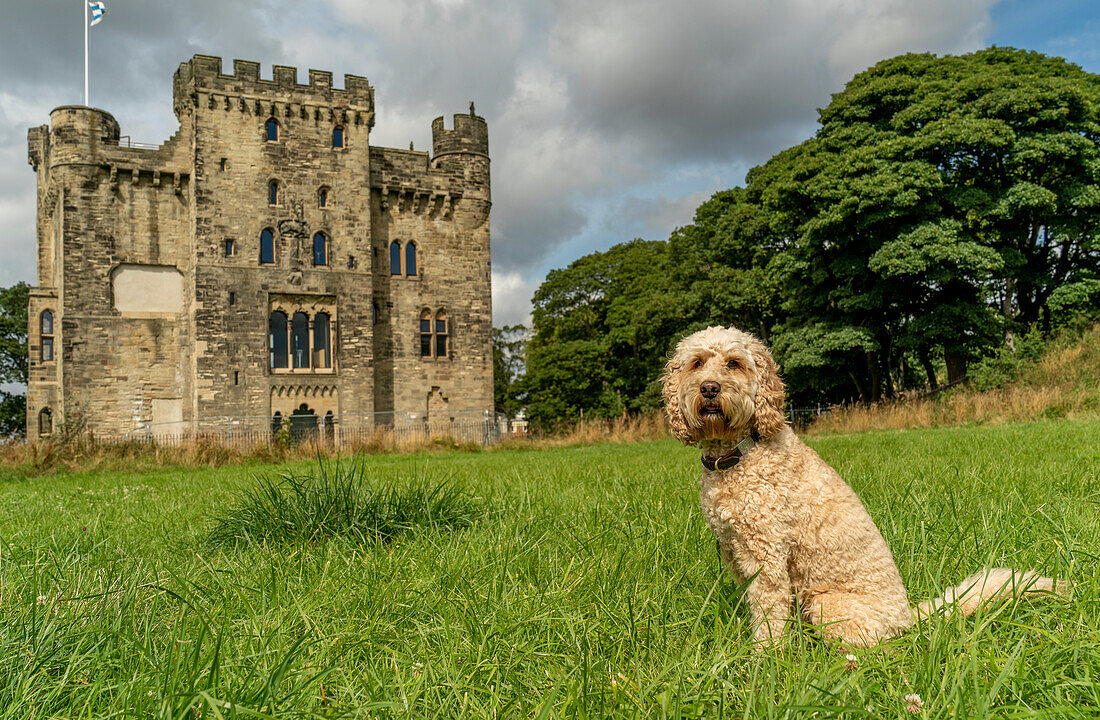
x,y
512,299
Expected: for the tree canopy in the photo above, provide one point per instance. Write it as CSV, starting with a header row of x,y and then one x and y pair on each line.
x,y
943,204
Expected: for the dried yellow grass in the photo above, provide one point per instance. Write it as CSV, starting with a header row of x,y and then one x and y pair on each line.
x,y
1063,383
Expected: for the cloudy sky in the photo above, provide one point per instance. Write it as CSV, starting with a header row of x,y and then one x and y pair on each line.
x,y
608,120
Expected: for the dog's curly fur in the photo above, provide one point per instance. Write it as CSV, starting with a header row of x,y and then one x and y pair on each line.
x,y
784,519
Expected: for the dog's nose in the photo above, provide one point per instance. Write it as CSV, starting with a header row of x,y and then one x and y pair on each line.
x,y
710,389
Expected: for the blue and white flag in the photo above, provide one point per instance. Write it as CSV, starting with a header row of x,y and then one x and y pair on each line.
x,y
98,11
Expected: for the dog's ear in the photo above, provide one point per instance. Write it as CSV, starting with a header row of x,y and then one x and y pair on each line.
x,y
670,392
768,415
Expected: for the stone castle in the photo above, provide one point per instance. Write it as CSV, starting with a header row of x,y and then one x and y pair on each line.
x,y
266,261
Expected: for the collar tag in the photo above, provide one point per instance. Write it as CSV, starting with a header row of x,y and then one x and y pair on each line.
x,y
731,458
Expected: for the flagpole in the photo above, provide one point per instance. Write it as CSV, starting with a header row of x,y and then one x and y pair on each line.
x,y
84,11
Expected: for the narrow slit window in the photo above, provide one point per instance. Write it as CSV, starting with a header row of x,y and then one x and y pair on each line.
x,y
299,340
410,259
45,327
322,197
273,193
322,353
441,334
230,247
374,314
395,258
425,334
267,247
277,340
320,249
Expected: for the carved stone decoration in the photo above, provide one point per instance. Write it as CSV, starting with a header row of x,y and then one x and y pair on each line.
x,y
114,177
156,178
134,176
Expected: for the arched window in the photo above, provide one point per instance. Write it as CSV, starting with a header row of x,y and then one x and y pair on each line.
x,y
267,247
426,333
277,339
45,422
338,136
273,193
374,313
299,340
395,258
322,197
322,353
276,422
410,259
271,127
45,326
441,334
320,249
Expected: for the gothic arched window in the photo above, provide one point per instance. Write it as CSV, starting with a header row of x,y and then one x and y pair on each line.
x,y
410,259
45,422
277,339
395,258
322,197
299,340
271,129
267,247
45,327
320,249
322,352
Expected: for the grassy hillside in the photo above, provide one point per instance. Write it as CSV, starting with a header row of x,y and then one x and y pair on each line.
x,y
586,586
1056,380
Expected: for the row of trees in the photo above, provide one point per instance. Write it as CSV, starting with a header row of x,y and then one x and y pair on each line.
x,y
943,205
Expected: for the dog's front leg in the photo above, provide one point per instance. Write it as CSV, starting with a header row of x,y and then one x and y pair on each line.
x,y
769,596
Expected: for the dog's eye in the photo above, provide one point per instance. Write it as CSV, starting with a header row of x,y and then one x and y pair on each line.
x,y
696,364
733,364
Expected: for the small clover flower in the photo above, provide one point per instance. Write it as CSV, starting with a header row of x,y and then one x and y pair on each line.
x,y
853,662
913,703
43,600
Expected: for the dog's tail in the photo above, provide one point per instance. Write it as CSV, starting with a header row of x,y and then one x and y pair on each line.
x,y
989,585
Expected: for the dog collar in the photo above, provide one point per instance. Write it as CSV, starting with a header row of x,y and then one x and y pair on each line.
x,y
733,456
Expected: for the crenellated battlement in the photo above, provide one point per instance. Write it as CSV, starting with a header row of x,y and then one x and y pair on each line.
x,y
470,135
202,81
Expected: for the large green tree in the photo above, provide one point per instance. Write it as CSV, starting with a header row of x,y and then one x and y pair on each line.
x,y
13,358
942,203
600,330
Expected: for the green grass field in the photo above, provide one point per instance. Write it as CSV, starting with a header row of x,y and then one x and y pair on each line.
x,y
587,587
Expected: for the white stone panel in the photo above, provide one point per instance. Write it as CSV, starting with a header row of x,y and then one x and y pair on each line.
x,y
147,289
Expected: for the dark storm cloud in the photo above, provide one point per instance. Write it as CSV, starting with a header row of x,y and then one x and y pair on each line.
x,y
595,109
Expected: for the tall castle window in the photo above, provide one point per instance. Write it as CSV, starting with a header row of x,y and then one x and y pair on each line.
x,y
320,249
273,193
426,333
434,334
45,422
395,258
322,353
299,340
302,340
410,259
338,137
271,128
441,334
267,247
45,327
277,340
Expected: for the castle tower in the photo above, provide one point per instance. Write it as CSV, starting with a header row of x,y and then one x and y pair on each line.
x,y
240,273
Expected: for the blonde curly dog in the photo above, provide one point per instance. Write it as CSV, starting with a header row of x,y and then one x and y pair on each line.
x,y
783,518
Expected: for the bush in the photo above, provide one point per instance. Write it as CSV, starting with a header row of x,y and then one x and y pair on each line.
x,y
343,502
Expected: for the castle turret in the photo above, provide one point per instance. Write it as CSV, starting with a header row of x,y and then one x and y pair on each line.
x,y
464,149
79,135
